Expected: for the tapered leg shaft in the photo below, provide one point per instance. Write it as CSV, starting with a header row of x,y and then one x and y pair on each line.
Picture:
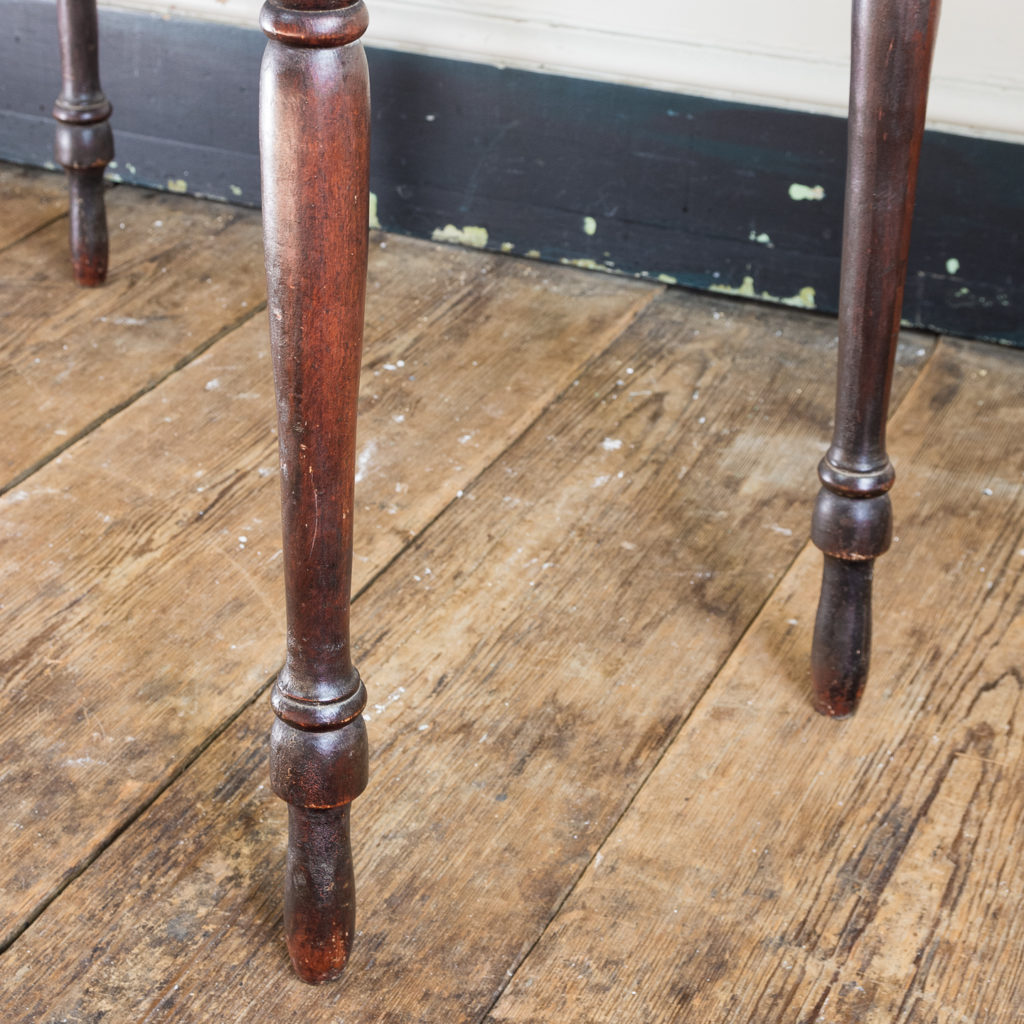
x,y
84,144
314,144
892,50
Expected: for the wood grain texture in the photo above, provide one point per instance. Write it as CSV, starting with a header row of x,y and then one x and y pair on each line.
x,y
180,275
778,867
529,657
141,568
31,200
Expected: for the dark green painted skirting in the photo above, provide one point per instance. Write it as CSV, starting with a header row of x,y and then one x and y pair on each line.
x,y
701,192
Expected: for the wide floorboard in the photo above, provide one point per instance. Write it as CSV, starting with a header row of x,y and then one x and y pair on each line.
x,y
583,614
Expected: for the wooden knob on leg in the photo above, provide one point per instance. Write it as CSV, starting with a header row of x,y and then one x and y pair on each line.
x,y
87,217
319,773
319,892
841,652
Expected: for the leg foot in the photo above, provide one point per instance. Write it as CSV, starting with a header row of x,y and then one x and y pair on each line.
x,y
319,892
88,222
318,764
842,636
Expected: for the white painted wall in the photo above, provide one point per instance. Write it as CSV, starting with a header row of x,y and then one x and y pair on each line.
x,y
788,53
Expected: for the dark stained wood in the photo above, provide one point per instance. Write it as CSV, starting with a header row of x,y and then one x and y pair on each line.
x,y
892,52
140,567
778,867
32,199
184,273
531,655
84,142
315,159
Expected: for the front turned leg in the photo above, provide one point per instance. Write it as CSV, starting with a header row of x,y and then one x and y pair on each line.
x,y
314,146
84,143
892,50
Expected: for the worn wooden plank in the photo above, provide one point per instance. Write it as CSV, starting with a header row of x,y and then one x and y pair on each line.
x,y
142,600
780,867
31,199
181,273
529,658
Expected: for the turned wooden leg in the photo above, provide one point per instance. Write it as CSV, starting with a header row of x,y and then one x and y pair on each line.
x,y
314,144
84,143
892,50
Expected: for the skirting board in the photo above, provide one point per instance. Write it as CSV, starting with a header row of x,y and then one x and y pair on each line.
x,y
703,193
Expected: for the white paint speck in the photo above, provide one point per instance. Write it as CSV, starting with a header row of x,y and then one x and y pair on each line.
x,y
611,444
363,461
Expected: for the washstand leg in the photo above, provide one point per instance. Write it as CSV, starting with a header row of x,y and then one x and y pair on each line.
x,y
892,50
314,143
84,143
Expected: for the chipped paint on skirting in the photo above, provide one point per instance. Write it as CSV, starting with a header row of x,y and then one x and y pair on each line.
x,y
587,264
813,193
179,185
474,237
589,226
374,221
804,299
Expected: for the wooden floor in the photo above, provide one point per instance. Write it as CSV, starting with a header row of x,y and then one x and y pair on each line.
x,y
585,597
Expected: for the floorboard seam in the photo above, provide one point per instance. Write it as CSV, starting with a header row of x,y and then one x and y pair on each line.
x,y
513,971
190,759
121,406
513,442
176,773
35,231
46,224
